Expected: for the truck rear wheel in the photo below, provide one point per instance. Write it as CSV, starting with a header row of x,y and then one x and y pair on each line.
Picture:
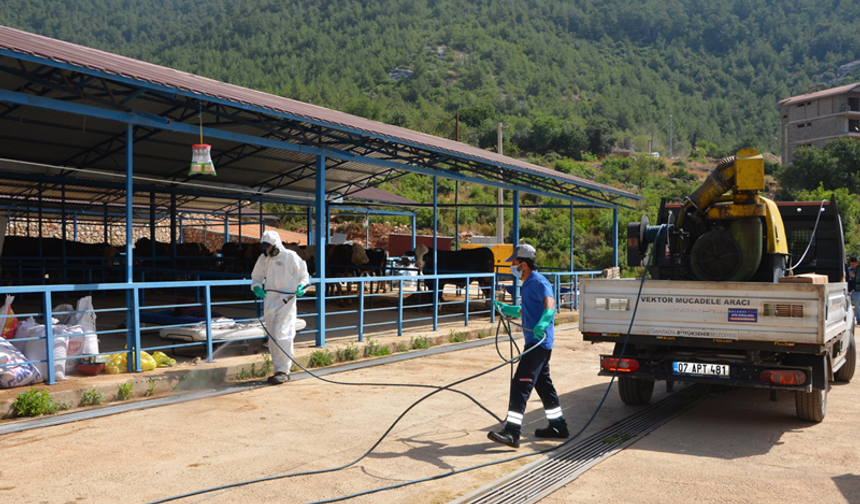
x,y
846,372
635,392
811,406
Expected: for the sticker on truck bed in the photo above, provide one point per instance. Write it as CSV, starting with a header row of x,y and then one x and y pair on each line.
x,y
743,315
693,333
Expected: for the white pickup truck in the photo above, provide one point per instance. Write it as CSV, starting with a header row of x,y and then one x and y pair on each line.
x,y
779,336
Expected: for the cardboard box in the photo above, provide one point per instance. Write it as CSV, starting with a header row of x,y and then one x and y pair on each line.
x,y
812,278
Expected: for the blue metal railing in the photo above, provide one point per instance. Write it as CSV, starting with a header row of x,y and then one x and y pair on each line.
x,y
204,295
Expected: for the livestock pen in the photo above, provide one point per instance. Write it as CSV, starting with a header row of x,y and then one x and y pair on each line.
x,y
89,136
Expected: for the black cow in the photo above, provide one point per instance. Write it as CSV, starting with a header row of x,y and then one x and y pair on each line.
x,y
376,262
27,250
342,261
479,260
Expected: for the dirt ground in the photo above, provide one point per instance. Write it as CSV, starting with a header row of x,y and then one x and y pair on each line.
x,y
738,447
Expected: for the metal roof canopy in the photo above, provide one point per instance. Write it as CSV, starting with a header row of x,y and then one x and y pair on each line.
x,y
67,106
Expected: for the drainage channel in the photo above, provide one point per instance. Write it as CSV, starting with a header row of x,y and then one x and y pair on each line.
x,y
537,480
25,425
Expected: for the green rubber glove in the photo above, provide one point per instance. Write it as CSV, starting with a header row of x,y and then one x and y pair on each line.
x,y
508,310
300,291
259,292
543,323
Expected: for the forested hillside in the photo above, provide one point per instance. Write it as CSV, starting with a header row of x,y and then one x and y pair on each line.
x,y
566,76
718,66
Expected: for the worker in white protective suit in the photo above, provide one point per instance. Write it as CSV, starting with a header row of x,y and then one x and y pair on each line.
x,y
284,273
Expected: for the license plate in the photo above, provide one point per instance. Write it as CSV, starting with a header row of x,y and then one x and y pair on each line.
x,y
701,369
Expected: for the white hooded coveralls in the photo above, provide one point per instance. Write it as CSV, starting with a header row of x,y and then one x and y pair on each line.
x,y
283,272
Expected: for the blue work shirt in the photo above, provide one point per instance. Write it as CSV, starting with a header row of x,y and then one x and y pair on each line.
x,y
534,291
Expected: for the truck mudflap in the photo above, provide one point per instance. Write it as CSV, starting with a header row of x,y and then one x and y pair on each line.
x,y
691,370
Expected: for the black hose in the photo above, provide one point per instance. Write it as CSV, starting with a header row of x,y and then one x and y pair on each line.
x,y
403,414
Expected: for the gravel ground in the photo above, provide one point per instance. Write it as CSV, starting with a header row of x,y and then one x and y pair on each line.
x,y
739,447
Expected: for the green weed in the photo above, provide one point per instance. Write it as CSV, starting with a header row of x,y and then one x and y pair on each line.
x,y
420,343
320,358
373,349
349,353
92,397
34,403
125,391
456,337
151,390
402,347
483,333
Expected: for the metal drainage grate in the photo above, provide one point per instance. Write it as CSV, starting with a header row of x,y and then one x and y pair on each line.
x,y
533,482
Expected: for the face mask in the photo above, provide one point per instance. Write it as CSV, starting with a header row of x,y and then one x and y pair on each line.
x,y
272,252
516,272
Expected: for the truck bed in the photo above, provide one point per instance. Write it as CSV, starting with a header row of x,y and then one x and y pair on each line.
x,y
790,313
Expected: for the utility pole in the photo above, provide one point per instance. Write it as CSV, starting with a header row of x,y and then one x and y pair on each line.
x,y
670,136
500,218
457,191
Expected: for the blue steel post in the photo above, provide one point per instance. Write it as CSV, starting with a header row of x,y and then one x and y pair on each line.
x,y
152,224
49,338
327,224
226,228
457,220
435,255
129,278
136,325
310,227
361,309
181,233
75,227
515,239
468,283
63,223
400,307
413,231
208,300
321,238
615,236
571,237
173,226
262,224
367,230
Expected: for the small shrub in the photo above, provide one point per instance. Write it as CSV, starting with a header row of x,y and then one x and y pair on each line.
x,y
374,349
34,403
456,337
402,347
92,397
483,333
348,353
320,358
268,367
293,368
420,343
151,390
125,391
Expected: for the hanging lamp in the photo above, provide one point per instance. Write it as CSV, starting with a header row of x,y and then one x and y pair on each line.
x,y
201,154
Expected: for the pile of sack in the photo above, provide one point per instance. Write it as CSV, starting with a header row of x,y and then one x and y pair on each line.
x,y
74,336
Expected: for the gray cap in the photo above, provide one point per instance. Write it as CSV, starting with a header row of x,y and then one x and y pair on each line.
x,y
524,251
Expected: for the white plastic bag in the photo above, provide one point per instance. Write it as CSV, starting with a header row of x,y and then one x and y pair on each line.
x,y
36,350
76,346
8,325
16,376
21,333
87,321
61,312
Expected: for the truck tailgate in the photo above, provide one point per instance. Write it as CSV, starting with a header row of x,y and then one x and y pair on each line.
x,y
744,311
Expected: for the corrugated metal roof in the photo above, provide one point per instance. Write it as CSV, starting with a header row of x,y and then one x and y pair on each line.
x,y
72,54
375,194
820,94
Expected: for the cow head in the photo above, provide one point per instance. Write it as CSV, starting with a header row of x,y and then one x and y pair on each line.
x,y
420,250
359,256
142,243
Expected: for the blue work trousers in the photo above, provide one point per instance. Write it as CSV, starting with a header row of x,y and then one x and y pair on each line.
x,y
532,373
855,300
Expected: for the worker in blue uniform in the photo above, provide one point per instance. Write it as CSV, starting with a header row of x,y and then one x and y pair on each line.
x,y
538,315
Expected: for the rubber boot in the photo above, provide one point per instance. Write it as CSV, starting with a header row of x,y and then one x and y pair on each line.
x,y
505,437
279,378
557,429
